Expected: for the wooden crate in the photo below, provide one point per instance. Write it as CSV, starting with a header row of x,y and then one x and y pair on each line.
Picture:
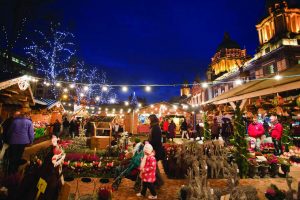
x,y
100,142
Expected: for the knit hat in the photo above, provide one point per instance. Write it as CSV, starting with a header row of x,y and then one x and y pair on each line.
x,y
148,148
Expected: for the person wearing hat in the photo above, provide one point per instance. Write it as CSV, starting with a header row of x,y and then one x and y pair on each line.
x,y
147,172
155,139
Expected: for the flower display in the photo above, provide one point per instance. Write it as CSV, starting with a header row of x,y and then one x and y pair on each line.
x,y
273,193
271,158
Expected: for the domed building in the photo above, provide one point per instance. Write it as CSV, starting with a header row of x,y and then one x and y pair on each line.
x,y
228,58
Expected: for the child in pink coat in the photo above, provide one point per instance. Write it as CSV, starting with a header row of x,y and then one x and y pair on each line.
x,y
147,172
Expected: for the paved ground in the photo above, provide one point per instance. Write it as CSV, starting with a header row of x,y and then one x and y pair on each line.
x,y
171,187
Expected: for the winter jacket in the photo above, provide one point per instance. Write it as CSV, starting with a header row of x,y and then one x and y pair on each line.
x,y
227,128
56,127
184,126
148,173
215,129
165,126
172,129
6,126
255,130
21,131
155,140
66,124
276,131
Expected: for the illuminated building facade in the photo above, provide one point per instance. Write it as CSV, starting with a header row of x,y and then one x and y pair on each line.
x,y
279,49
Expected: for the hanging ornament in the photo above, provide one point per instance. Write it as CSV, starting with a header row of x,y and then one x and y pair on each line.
x,y
23,84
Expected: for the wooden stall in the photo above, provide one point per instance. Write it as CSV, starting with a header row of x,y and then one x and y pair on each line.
x,y
102,132
15,94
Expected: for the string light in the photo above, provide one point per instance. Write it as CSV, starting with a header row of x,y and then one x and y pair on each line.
x,y
204,85
126,103
104,88
139,105
97,98
58,84
124,88
81,95
72,85
278,77
86,88
65,90
148,88
238,82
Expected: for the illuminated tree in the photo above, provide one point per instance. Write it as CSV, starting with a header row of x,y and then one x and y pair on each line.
x,y
51,53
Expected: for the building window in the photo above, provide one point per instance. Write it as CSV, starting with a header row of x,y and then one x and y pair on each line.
x,y
271,69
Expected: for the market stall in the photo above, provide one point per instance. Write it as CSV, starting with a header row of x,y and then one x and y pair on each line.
x,y
102,132
163,110
15,94
44,113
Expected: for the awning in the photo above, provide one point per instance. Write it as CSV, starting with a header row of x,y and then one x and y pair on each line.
x,y
256,88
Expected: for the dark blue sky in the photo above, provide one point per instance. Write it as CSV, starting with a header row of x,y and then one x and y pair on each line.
x,y
159,41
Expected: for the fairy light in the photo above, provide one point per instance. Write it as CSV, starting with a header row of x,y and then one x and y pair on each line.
x,y
277,77
85,88
204,85
238,82
124,88
148,88
58,84
65,90
104,88
97,98
72,85
126,103
81,95
139,105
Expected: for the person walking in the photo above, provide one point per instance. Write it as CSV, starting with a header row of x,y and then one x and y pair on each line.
x,y
227,129
172,130
215,129
147,172
276,134
21,134
256,132
72,128
56,128
155,139
184,129
66,125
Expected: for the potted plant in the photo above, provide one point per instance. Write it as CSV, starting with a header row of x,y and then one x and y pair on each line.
x,y
285,165
253,168
273,193
273,163
263,169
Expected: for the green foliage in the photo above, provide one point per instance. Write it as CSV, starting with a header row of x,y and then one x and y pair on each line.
x,y
240,143
206,134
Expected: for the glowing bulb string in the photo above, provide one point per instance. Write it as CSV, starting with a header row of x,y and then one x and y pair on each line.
x,y
204,84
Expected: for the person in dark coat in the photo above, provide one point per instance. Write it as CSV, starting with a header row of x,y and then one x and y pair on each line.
x,y
66,125
184,130
199,129
155,139
215,129
56,128
21,134
72,128
172,130
89,128
227,129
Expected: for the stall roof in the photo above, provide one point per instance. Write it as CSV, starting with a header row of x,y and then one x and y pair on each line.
x,y
263,87
11,92
50,103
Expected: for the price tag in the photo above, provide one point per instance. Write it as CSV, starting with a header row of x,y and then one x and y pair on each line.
x,y
41,186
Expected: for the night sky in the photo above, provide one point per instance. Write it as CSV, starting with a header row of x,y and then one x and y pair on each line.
x,y
160,41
